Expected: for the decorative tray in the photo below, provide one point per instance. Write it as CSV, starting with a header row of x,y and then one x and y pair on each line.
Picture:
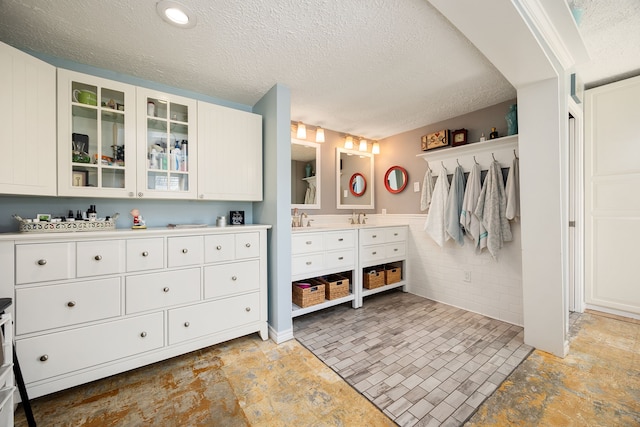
x,y
28,226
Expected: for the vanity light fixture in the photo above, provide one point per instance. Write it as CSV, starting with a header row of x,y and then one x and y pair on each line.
x,y
348,142
363,145
176,14
319,134
302,131
375,148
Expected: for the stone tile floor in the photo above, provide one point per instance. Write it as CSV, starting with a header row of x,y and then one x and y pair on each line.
x,y
421,362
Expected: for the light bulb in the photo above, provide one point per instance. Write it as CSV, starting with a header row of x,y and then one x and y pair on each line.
x,y
348,142
363,145
375,148
302,131
319,135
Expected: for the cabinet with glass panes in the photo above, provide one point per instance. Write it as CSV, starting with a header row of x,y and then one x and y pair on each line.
x,y
167,145
96,136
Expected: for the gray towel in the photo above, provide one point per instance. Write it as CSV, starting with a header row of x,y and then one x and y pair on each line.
x,y
427,190
491,210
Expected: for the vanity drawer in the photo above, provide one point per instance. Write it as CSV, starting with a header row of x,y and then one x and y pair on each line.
x,y
40,262
53,306
396,234
145,254
372,236
208,318
100,257
304,243
219,247
184,251
372,253
227,279
307,263
159,290
394,250
335,259
339,240
49,355
247,245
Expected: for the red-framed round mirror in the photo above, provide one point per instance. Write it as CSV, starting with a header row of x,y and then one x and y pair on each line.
x,y
395,180
357,184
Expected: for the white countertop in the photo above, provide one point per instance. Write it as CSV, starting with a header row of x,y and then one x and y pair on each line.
x,y
337,227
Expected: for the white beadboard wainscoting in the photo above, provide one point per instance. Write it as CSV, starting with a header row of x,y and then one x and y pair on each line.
x,y
495,289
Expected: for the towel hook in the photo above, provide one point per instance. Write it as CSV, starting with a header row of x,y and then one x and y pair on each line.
x,y
443,166
458,163
475,161
514,153
494,157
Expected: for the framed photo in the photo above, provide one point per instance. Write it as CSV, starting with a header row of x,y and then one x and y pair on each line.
x,y
458,137
237,217
435,140
79,178
44,217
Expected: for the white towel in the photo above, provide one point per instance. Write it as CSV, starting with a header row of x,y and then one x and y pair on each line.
x,y
468,219
454,207
434,226
513,191
427,190
491,210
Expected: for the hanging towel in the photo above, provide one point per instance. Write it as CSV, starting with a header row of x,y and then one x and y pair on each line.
x,y
491,210
434,226
427,190
454,207
468,219
513,191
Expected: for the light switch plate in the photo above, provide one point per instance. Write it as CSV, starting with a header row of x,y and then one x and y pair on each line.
x,y
416,187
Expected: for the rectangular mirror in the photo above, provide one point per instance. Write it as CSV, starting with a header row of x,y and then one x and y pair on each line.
x,y
354,179
305,174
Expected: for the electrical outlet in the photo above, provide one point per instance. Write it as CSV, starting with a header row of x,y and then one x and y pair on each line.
x,y
467,276
416,187
384,211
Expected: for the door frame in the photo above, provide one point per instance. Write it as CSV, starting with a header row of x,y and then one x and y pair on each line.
x,y
576,212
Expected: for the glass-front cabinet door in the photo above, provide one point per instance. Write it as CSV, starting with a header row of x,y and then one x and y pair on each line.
x,y
96,136
167,145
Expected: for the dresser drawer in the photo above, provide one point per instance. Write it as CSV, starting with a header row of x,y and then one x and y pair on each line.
x,y
53,306
372,253
199,320
247,245
41,262
372,236
304,243
54,354
227,279
394,250
310,263
184,251
159,290
396,234
337,259
145,254
339,240
219,247
100,257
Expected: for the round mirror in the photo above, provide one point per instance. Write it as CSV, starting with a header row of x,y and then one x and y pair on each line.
x,y
395,179
357,184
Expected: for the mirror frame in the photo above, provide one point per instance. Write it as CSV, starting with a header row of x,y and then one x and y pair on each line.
x,y
353,177
386,179
318,174
370,181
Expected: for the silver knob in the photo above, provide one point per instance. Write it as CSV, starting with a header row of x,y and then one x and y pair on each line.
x,y
201,196
71,304
340,258
308,242
140,194
340,239
143,334
186,324
395,249
145,253
234,278
44,357
373,253
42,261
218,247
247,309
185,250
395,234
165,289
131,193
308,262
374,236
97,257
248,245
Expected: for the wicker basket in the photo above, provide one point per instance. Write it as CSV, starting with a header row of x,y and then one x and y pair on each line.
x,y
335,286
373,277
393,274
306,297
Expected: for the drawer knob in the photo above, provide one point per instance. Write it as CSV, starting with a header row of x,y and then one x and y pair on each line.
x,y
44,357
219,247
395,234
340,258
186,324
71,304
308,242
185,250
145,253
340,239
165,289
97,257
374,252
42,261
248,245
247,309
374,236
395,249
140,194
309,262
143,334
234,278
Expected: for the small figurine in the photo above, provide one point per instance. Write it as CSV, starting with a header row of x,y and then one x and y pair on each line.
x,y
138,221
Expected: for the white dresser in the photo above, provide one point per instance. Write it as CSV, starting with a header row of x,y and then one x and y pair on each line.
x,y
89,305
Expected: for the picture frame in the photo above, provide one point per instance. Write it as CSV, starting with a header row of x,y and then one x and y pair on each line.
x,y
459,137
236,217
437,139
80,178
44,217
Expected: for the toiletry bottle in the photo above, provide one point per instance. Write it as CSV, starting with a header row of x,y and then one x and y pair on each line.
x,y
493,134
91,213
482,138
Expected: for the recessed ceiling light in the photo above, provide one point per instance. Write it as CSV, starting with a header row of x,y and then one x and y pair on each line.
x,y
176,14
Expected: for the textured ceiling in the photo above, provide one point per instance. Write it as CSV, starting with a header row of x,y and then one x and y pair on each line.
x,y
373,68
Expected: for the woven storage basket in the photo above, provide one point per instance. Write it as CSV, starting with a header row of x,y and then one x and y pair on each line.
x,y
335,286
393,274
305,297
373,277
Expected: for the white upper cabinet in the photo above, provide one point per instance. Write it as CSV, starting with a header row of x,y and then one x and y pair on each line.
x,y
96,136
167,146
28,123
230,154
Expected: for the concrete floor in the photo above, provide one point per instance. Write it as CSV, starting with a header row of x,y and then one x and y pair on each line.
x,y
247,382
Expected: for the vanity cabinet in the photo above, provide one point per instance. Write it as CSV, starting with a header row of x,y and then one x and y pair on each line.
x,y
93,304
230,154
28,123
7,383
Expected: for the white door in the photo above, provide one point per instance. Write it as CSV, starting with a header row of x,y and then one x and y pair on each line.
x,y
612,197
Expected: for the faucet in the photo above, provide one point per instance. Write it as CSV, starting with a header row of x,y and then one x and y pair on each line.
x,y
352,220
296,219
364,218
